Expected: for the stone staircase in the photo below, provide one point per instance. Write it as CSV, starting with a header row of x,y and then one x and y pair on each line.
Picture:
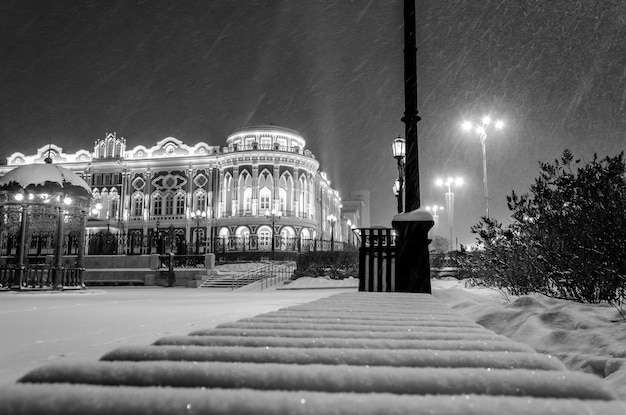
x,y
237,277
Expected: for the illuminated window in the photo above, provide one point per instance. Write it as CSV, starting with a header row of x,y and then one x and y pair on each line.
x,y
115,204
264,199
157,205
282,193
247,199
200,202
137,205
169,204
180,204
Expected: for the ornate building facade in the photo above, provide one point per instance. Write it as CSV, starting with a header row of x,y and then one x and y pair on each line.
x,y
263,191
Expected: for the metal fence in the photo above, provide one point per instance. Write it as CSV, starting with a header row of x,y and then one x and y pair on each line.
x,y
133,243
40,276
377,260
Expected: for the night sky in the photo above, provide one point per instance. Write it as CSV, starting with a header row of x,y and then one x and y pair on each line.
x,y
554,71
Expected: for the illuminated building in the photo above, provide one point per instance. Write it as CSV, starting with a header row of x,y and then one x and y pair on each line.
x,y
204,198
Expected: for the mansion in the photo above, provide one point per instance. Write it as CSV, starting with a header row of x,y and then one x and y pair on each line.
x,y
262,191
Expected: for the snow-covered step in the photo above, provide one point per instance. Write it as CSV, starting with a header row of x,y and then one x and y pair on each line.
x,y
326,378
70,399
418,357
351,353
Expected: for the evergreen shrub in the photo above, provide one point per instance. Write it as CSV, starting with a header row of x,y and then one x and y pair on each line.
x,y
335,265
567,237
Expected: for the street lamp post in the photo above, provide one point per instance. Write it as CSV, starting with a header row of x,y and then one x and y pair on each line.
x,y
481,130
449,182
332,219
433,209
398,148
273,215
198,215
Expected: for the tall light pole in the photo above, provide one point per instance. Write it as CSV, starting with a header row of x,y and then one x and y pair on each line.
x,y
433,209
198,215
410,118
481,130
449,182
398,148
332,219
273,215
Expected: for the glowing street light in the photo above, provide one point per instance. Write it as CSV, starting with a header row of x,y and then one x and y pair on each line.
x,y
198,215
481,131
273,215
398,148
449,182
433,209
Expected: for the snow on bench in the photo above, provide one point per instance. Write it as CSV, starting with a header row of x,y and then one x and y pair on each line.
x,y
351,353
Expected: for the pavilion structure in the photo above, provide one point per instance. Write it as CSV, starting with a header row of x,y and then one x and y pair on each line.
x,y
43,213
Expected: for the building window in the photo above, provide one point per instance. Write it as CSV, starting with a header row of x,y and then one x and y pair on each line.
x,y
169,204
115,204
200,202
137,205
302,201
264,199
247,199
180,204
157,205
282,194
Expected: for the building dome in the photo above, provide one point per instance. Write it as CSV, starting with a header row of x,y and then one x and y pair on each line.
x,y
45,178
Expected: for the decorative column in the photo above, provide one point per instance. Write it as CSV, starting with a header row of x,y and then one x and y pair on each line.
x,y
295,190
80,258
255,189
276,190
235,193
21,253
58,254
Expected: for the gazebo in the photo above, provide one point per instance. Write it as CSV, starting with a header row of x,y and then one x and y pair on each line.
x,y
43,213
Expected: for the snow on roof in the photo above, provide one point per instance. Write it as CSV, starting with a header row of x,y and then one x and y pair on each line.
x,y
35,175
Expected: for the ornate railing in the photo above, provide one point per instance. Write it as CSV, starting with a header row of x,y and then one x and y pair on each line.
x,y
133,243
39,276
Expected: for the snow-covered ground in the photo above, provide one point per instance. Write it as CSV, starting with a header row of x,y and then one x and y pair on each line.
x,y
586,337
41,328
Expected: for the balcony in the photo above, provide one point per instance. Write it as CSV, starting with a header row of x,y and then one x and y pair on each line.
x,y
268,147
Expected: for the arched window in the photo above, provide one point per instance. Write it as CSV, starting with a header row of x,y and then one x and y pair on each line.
x,y
157,205
200,202
115,205
226,195
302,199
247,199
137,205
265,196
169,204
282,194
180,204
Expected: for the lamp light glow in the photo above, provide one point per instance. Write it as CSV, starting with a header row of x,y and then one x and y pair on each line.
x,y
398,148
